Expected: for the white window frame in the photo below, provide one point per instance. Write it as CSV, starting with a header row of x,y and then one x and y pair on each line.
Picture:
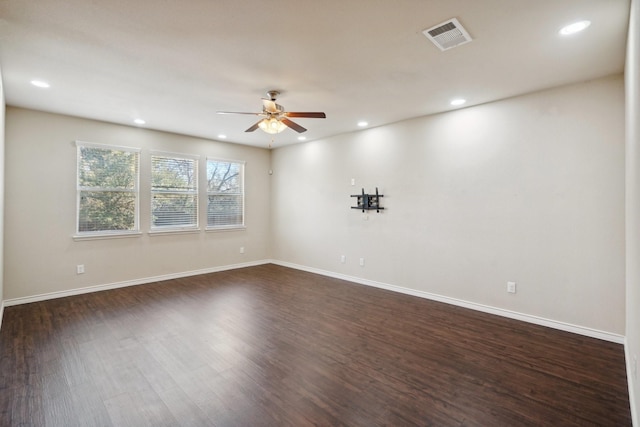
x,y
155,229
82,235
240,226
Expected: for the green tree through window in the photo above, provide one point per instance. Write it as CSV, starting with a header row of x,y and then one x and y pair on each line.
x,y
107,189
225,191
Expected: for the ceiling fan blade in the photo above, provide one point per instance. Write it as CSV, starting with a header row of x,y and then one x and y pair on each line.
x,y
254,127
269,106
309,115
293,125
236,112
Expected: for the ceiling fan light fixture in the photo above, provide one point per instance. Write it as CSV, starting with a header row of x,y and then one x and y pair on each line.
x,y
272,126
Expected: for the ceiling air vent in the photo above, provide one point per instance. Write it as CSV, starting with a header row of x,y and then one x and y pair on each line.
x,y
447,35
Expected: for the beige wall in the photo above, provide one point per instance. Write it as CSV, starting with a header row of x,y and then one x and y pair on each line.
x,y
41,256
529,189
632,76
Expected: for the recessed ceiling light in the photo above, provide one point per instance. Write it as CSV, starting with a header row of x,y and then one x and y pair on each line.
x,y
458,101
221,136
576,27
40,83
139,121
363,124
302,138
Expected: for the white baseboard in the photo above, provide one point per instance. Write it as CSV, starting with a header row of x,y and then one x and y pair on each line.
x,y
567,327
142,281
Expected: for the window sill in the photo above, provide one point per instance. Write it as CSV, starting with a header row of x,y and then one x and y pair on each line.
x,y
103,236
226,228
173,231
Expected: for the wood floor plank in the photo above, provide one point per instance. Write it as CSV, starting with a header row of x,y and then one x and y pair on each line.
x,y
89,407
183,409
199,386
57,402
141,409
272,346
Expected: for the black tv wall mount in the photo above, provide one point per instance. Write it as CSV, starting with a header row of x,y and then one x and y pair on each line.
x,y
368,202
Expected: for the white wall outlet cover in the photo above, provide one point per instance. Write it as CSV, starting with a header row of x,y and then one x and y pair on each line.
x,y
511,287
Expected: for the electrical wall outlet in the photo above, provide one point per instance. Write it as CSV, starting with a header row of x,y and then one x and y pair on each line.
x,y
241,249
80,269
511,287
361,262
343,258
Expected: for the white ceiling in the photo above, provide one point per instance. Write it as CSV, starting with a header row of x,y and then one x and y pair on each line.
x,y
175,63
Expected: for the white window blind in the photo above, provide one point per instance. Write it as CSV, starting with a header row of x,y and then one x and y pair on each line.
x,y
174,192
107,189
225,193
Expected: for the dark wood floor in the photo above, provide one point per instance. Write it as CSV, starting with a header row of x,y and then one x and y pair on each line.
x,y
271,346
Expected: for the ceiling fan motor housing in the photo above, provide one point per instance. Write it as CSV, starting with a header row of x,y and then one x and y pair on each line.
x,y
273,94
279,110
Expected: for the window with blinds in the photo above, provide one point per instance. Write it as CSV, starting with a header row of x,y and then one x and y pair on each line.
x,y
174,192
225,194
107,189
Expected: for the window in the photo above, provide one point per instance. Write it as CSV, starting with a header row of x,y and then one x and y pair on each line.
x,y
225,191
174,192
107,186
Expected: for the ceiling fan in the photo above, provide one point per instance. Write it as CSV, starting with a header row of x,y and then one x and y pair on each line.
x,y
275,119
